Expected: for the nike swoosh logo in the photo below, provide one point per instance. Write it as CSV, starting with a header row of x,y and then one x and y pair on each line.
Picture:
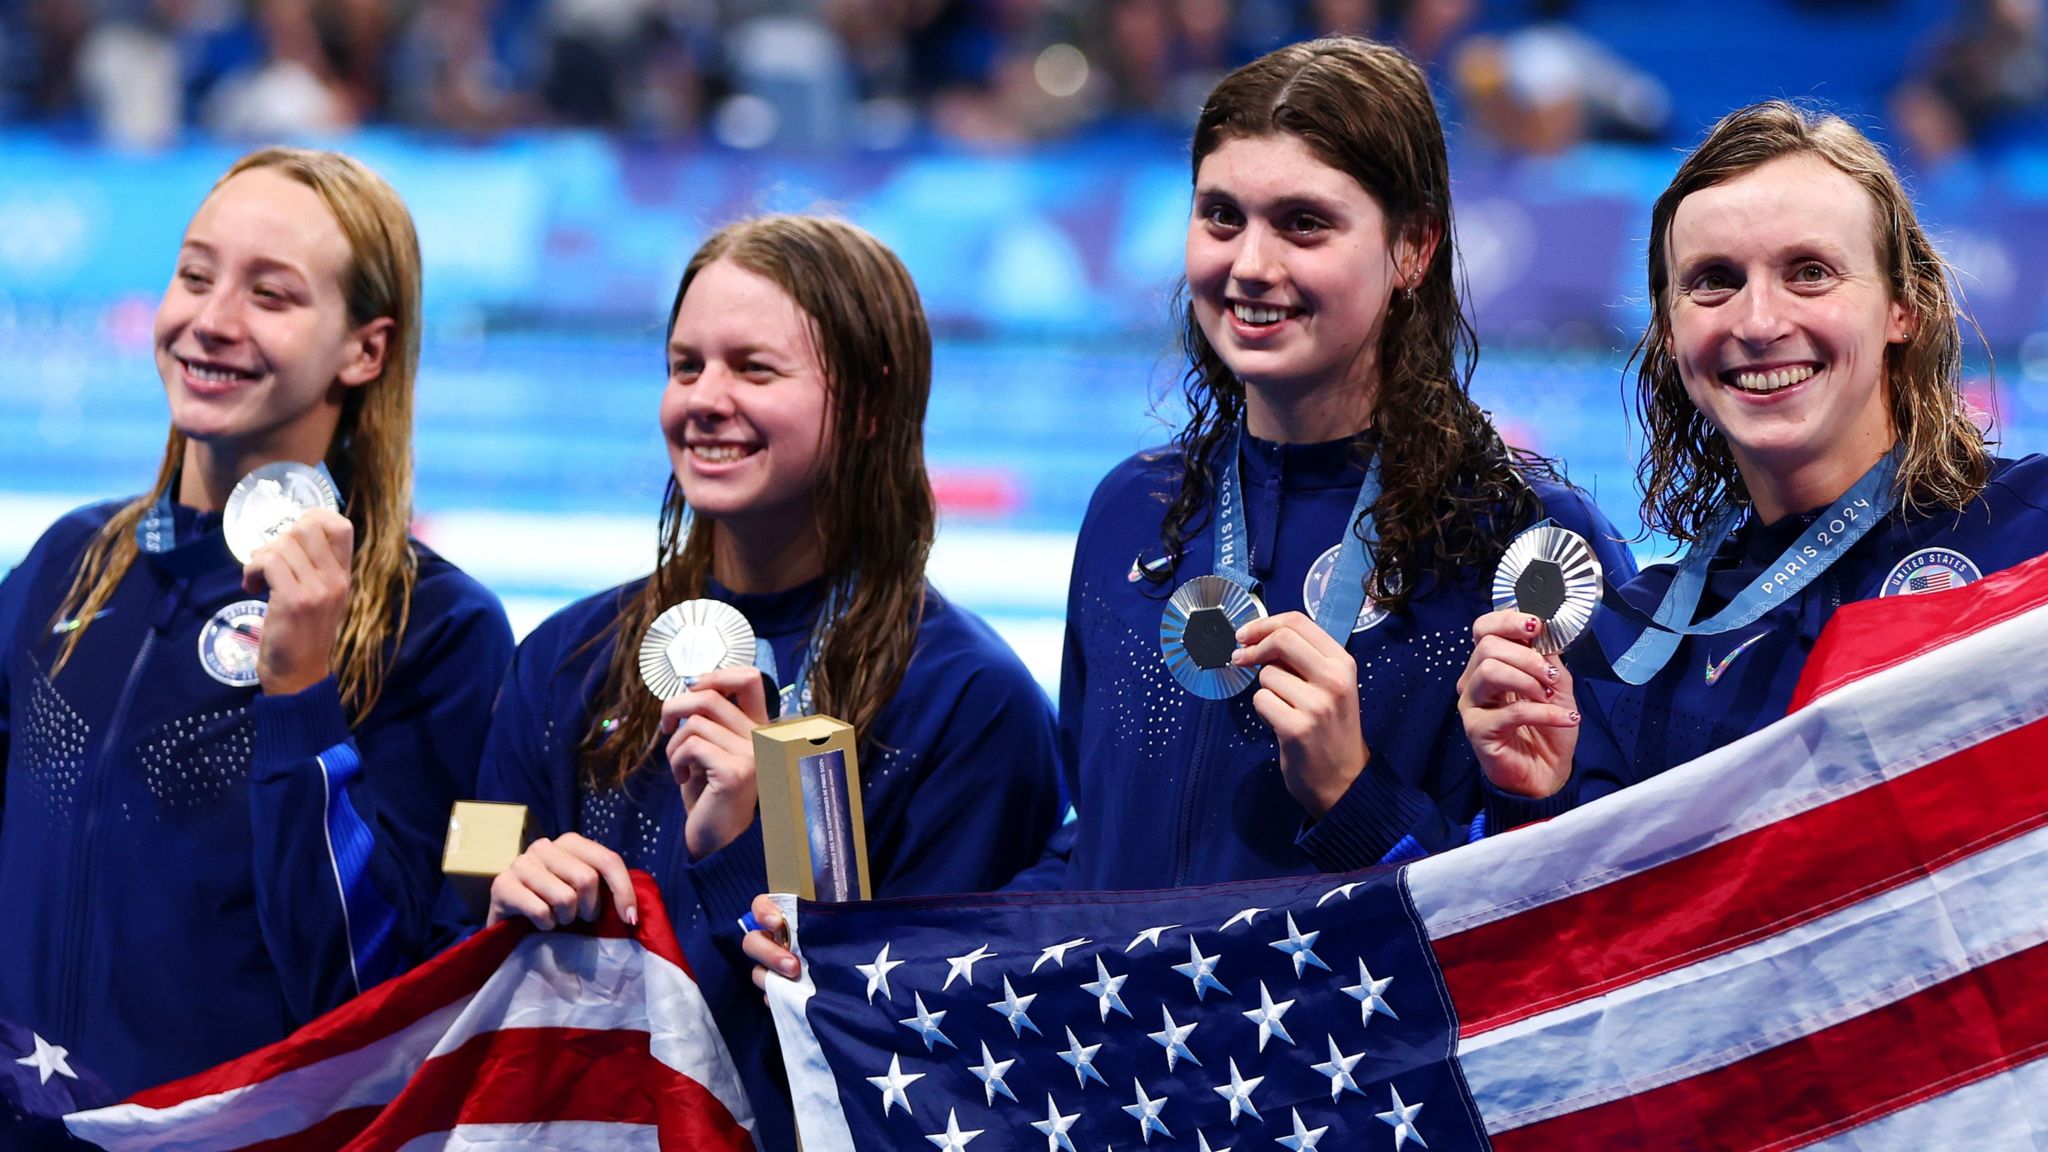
x,y
1714,671
1140,566
74,624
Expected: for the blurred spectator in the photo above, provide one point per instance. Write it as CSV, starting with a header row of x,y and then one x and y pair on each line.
x,y
1993,67
1544,88
292,90
41,48
450,71
131,77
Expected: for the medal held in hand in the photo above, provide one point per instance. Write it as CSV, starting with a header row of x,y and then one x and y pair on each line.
x,y
267,502
1198,632
691,639
1552,574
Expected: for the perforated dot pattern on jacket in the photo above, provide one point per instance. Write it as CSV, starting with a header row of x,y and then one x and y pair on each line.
x,y
53,742
196,760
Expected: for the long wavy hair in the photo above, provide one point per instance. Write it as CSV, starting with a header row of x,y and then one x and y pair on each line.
x,y
1452,491
871,503
1688,470
372,444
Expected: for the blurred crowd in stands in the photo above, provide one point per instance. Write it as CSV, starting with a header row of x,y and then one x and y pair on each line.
x,y
869,73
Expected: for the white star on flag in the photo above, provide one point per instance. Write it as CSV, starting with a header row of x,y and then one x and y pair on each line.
x,y
1343,890
1304,1138
1058,952
964,966
1106,988
1149,936
952,1139
1267,1016
1013,1008
48,1060
1146,1113
1055,1127
878,974
1338,1069
1402,1117
1369,994
893,1084
1239,1093
1203,1144
1173,1038
926,1025
1202,970
1081,1057
1297,945
990,1073
1245,915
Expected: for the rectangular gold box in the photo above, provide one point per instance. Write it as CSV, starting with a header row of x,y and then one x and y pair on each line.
x,y
484,837
812,831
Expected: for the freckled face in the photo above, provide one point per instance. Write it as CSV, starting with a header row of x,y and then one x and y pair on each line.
x,y
1289,267
746,408
1780,317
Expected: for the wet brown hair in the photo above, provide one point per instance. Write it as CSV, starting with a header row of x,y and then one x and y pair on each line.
x,y
372,444
871,504
1452,493
1688,470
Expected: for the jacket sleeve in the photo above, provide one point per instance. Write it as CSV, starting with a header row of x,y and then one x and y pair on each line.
x,y
1384,812
349,824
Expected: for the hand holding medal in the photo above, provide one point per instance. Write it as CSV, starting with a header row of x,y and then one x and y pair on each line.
x,y
283,521
698,659
1516,698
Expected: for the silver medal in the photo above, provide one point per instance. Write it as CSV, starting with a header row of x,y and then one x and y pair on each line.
x,y
1198,632
267,502
1550,573
691,639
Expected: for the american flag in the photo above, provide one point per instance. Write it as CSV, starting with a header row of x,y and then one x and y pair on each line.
x,y
1830,933
589,1037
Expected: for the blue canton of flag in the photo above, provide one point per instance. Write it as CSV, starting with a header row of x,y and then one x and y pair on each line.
x,y
39,1083
1298,1013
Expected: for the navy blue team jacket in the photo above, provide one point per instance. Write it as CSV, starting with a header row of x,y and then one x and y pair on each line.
x,y
190,870
1717,689
959,788
1171,789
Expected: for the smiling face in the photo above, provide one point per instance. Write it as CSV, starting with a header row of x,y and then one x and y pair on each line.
x,y
1780,315
253,338
746,405
1290,271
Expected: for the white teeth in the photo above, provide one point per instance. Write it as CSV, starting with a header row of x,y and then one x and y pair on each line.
x,y
1773,381
1254,314
720,453
215,375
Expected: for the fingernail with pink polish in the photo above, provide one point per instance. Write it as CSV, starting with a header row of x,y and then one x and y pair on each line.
x,y
1529,626
1575,717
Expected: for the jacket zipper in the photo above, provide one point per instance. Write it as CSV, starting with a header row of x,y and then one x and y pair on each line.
x,y
1183,849
82,856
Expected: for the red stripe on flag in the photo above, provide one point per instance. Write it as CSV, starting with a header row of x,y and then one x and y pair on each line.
x,y
395,1004
534,1075
330,1135
1747,888
1872,635
1954,1033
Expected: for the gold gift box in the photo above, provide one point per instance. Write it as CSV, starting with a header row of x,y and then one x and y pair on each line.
x,y
484,837
812,831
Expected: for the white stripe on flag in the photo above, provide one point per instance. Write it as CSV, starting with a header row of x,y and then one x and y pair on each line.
x,y
549,980
1880,727
813,1092
1995,1112
1726,1007
273,1108
550,1136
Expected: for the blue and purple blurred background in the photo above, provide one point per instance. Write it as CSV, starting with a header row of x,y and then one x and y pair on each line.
x,y
1026,157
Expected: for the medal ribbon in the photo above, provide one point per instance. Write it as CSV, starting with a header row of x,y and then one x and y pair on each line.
x,y
1344,597
1800,564
792,694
